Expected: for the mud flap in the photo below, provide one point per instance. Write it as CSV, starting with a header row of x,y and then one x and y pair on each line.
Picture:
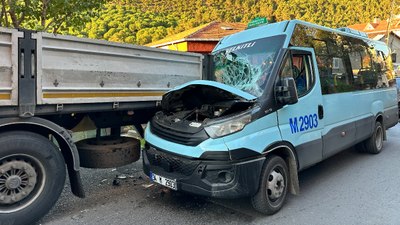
x,y
384,132
294,177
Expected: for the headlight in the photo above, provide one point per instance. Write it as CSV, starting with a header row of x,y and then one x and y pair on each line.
x,y
229,125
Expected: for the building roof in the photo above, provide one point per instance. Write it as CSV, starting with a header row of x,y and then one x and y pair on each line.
x,y
213,31
377,27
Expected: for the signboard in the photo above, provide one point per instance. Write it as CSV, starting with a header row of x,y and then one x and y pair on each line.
x,y
257,22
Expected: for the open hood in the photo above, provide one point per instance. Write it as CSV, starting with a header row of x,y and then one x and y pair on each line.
x,y
194,94
187,109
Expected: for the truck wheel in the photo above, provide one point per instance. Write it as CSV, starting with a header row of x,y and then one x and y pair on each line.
x,y
273,188
32,176
374,144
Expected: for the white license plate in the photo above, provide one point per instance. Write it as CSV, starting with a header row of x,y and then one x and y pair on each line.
x,y
163,181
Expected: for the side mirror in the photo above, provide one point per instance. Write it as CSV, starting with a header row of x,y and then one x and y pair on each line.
x,y
286,91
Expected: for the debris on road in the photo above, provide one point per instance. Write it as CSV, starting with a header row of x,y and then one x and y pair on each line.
x,y
116,182
147,185
104,180
165,191
121,176
80,215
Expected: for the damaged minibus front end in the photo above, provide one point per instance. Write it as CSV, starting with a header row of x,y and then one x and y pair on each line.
x,y
191,125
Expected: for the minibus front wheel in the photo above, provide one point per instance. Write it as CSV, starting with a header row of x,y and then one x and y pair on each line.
x,y
273,188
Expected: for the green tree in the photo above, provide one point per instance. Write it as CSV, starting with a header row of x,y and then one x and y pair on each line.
x,y
143,21
48,15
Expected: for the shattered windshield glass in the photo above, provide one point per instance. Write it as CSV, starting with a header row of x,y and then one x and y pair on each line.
x,y
247,65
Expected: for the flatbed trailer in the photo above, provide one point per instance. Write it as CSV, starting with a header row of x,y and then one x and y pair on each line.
x,y
53,85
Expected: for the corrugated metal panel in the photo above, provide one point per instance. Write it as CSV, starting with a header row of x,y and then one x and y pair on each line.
x,y
78,70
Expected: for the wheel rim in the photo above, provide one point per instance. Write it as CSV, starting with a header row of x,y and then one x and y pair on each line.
x,y
275,185
22,180
379,137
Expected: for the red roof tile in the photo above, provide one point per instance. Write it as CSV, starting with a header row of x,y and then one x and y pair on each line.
x,y
359,27
380,27
213,31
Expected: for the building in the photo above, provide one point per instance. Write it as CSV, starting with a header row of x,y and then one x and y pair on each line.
x,y
200,39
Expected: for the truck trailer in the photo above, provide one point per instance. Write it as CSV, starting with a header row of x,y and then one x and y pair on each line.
x,y
52,86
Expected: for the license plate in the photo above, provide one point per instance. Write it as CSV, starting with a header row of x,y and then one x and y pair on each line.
x,y
163,181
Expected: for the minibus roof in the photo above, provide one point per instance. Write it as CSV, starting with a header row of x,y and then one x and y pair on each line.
x,y
255,33
279,28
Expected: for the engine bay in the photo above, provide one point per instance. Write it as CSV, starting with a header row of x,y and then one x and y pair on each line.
x,y
188,109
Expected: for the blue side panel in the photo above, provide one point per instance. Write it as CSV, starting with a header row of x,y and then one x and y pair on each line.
x,y
350,117
256,136
363,104
300,123
338,109
188,151
301,126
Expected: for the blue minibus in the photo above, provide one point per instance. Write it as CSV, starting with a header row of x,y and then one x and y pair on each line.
x,y
283,97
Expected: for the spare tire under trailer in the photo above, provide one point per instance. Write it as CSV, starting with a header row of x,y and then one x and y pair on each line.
x,y
108,152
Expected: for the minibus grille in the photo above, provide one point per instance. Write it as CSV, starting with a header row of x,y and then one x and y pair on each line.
x,y
179,137
169,163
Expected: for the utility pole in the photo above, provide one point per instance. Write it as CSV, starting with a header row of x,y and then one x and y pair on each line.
x,y
389,20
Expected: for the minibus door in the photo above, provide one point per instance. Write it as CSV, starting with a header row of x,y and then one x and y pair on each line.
x,y
301,122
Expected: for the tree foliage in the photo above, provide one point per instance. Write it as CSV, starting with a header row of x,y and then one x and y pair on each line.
x,y
125,23
144,21
49,15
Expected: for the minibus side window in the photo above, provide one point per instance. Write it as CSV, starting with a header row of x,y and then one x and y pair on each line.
x,y
364,76
287,69
385,74
298,67
368,65
302,73
346,63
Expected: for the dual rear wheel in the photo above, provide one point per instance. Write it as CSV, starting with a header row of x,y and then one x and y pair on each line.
x,y
32,176
373,144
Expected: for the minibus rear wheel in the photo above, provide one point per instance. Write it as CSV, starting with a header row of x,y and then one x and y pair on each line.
x,y
273,188
374,144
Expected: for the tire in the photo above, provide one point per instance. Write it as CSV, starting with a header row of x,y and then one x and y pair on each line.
x,y
32,177
108,152
374,144
273,188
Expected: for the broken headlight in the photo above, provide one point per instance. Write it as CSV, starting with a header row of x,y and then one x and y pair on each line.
x,y
229,125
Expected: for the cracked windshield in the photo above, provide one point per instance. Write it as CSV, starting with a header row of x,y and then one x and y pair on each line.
x,y
247,65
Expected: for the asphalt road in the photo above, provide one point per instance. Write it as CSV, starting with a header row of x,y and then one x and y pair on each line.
x,y
349,188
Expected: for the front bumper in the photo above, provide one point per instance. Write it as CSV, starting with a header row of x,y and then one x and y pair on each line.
x,y
221,179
